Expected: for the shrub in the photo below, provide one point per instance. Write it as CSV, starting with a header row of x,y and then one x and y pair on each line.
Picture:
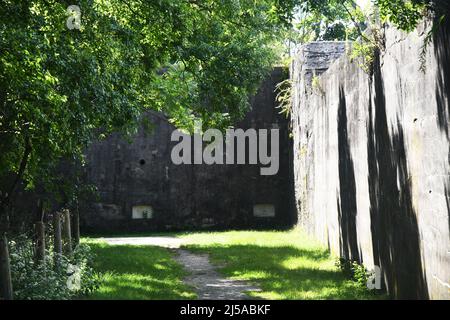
x,y
353,270
53,279
360,274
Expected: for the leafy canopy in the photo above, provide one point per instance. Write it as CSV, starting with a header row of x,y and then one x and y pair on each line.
x,y
61,88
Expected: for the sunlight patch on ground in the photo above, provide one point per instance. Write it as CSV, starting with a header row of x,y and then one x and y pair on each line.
x,y
138,273
284,264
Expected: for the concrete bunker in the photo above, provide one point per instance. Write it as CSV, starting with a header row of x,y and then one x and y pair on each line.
x,y
151,193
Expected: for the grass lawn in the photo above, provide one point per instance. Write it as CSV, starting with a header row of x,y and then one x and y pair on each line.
x,y
285,265
138,273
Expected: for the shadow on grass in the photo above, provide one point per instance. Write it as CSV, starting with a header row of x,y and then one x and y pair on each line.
x,y
138,273
285,272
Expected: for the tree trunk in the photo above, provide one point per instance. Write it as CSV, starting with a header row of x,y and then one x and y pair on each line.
x,y
4,218
40,242
6,290
57,242
6,198
67,234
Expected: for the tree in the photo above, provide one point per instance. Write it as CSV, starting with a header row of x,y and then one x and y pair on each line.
x,y
326,21
62,88
404,14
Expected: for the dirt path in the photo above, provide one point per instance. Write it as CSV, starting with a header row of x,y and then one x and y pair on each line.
x,y
207,282
165,242
203,276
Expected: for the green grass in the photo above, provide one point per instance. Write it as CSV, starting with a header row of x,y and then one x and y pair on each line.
x,y
138,273
286,265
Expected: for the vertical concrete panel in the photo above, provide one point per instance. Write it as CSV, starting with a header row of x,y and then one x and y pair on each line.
x,y
372,172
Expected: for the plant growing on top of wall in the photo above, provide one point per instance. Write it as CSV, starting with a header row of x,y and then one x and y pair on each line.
x,y
315,84
284,96
363,50
364,26
427,41
370,39
404,15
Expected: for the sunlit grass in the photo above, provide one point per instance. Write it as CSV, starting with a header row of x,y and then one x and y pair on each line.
x,y
286,265
138,273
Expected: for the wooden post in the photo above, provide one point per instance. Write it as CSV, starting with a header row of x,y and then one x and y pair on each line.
x,y
76,227
67,233
40,242
6,290
57,242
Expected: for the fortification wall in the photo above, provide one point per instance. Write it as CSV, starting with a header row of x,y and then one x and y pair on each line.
x,y
371,158
138,174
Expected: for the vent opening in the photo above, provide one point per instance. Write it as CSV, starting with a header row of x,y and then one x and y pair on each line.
x,y
142,212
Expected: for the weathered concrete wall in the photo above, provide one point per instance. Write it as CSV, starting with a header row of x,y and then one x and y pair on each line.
x,y
371,159
140,172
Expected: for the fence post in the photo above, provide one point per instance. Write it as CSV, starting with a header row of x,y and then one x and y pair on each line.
x,y
76,227
40,242
67,234
57,242
6,290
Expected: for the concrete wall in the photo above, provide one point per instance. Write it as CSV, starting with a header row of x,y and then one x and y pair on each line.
x,y
371,158
140,172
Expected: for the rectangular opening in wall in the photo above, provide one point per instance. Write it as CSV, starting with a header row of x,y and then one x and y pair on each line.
x,y
264,210
142,212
